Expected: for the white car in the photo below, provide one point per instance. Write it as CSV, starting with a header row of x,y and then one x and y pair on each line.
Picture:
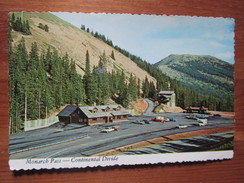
x,y
167,119
191,116
182,126
201,124
107,130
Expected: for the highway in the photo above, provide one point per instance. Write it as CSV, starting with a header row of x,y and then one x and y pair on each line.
x,y
80,140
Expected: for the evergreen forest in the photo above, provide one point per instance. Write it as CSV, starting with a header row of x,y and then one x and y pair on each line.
x,y
40,83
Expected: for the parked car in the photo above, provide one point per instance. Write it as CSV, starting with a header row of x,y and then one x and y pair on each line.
x,y
192,116
116,128
201,116
138,122
201,124
173,119
158,118
107,130
146,121
166,119
181,126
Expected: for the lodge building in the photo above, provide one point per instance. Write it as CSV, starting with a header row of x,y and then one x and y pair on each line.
x,y
92,114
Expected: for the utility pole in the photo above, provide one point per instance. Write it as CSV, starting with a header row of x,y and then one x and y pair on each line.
x,y
22,16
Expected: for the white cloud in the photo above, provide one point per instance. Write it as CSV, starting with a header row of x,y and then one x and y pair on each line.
x,y
216,44
225,55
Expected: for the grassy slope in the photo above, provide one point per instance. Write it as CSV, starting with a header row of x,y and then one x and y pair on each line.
x,y
67,38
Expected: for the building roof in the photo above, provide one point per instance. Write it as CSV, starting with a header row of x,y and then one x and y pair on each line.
x,y
166,92
87,110
68,110
197,108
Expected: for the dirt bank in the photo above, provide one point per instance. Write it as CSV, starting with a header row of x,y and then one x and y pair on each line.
x,y
162,108
139,107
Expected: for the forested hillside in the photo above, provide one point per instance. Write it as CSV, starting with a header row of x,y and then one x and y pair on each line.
x,y
205,74
40,83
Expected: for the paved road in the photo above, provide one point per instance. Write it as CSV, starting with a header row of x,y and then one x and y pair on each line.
x,y
151,106
79,140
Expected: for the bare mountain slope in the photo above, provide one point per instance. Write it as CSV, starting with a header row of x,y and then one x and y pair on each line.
x,y
64,37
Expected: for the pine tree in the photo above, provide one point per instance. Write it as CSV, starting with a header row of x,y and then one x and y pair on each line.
x,y
138,88
46,28
124,96
77,93
152,90
112,55
145,88
56,70
132,88
32,86
90,84
12,21
83,27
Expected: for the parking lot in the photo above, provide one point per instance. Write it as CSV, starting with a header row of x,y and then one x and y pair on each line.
x,y
80,140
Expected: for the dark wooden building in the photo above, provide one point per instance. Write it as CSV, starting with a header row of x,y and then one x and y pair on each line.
x,y
93,114
70,114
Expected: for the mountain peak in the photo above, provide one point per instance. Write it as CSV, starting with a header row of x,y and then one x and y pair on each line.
x,y
203,73
182,58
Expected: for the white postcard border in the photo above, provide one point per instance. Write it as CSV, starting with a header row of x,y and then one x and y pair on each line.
x,y
103,161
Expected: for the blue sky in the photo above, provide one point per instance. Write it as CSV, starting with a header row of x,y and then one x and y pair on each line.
x,y
155,37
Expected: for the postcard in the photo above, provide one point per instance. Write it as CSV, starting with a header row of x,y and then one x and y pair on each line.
x,y
93,89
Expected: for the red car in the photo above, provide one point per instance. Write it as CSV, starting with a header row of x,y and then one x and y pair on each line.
x,y
159,119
